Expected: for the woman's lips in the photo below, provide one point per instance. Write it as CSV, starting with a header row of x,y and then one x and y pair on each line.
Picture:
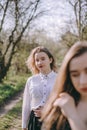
x,y
84,89
40,66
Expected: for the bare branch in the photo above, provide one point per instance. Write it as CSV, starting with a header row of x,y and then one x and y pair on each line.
x,y
5,10
1,7
11,37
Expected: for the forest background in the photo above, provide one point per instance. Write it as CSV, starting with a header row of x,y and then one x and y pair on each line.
x,y
25,24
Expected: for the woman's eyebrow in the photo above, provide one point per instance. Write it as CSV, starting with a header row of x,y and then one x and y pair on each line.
x,y
73,71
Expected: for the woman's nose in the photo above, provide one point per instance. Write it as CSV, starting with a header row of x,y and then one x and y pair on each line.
x,y
83,78
39,62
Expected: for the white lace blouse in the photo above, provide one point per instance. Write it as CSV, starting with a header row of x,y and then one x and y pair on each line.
x,y
37,90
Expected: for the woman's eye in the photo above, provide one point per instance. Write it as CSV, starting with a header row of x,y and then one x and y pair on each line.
x,y
86,71
43,58
36,60
74,75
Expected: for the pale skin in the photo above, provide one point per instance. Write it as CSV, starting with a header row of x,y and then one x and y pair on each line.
x,y
42,62
37,113
76,115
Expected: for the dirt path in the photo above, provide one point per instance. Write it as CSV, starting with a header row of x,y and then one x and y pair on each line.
x,y
10,104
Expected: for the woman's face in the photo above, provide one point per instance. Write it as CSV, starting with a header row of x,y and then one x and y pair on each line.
x,y
42,62
78,74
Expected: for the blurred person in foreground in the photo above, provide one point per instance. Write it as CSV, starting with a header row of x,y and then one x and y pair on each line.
x,y
66,108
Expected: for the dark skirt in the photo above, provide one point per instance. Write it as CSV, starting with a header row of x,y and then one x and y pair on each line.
x,y
34,123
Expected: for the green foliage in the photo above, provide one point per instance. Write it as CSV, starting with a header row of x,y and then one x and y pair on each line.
x,y
18,64
68,39
6,92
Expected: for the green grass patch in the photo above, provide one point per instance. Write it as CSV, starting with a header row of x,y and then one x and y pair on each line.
x,y
10,87
12,119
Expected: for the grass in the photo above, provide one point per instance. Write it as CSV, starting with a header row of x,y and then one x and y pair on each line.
x,y
12,120
10,87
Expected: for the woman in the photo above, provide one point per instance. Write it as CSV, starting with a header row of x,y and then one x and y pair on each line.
x,y
38,86
66,108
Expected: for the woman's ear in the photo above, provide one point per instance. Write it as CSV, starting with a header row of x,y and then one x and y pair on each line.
x,y
51,60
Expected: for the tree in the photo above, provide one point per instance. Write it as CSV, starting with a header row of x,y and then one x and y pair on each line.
x,y
68,39
80,11
22,13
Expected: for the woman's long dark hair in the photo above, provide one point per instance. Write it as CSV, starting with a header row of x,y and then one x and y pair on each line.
x,y
52,117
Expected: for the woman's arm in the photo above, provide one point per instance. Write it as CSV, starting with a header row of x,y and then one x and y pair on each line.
x,y
26,106
76,123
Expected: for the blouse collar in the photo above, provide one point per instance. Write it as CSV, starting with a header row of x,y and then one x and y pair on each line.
x,y
45,76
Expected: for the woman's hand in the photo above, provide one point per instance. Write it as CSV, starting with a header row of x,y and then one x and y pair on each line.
x,y
37,112
67,104
69,110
